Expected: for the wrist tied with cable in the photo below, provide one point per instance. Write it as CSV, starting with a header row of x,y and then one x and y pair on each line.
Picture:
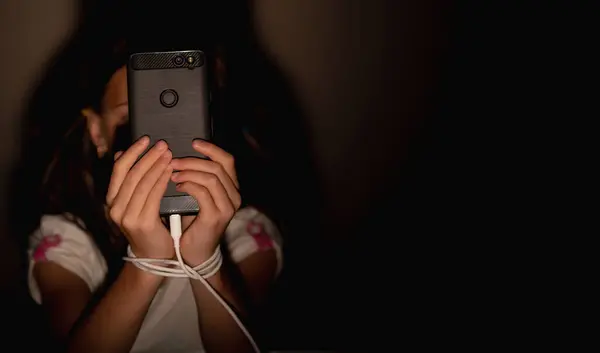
x,y
177,268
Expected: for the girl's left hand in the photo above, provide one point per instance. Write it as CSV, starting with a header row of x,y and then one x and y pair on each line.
x,y
213,183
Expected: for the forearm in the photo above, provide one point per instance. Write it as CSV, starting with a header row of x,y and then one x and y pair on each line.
x,y
115,322
220,333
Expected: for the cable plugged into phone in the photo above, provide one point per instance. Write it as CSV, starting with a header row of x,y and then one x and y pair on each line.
x,y
178,268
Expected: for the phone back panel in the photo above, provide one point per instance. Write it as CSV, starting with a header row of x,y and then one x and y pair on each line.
x,y
169,101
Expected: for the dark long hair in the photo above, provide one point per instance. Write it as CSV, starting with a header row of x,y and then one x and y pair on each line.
x,y
57,174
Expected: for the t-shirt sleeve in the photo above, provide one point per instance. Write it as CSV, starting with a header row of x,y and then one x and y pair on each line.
x,y
66,244
251,231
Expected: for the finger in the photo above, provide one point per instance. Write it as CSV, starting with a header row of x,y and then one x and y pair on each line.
x,y
122,166
152,206
218,155
208,209
146,184
137,172
118,154
210,182
202,165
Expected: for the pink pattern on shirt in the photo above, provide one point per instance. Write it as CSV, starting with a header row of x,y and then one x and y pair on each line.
x,y
262,239
48,242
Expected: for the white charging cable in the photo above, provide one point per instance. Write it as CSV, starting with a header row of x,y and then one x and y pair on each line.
x,y
178,268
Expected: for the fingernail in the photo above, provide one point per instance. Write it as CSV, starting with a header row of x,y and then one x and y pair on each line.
x,y
161,145
198,143
178,186
174,176
144,140
167,154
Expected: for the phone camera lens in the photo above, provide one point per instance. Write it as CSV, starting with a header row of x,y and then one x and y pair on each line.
x,y
178,60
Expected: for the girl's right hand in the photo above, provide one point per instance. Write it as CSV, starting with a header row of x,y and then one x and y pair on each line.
x,y
134,196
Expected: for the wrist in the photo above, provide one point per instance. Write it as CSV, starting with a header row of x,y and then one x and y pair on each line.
x,y
196,254
142,278
217,281
167,254
196,258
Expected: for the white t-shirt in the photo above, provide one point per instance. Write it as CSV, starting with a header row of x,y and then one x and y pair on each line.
x,y
171,324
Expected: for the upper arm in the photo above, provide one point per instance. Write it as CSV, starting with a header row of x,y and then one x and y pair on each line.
x,y
65,267
64,295
254,244
258,272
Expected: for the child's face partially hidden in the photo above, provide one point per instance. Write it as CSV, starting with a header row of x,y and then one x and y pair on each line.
x,y
114,114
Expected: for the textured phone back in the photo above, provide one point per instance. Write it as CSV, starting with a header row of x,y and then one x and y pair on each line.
x,y
170,102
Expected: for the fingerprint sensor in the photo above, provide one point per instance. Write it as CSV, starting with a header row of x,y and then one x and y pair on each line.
x,y
169,98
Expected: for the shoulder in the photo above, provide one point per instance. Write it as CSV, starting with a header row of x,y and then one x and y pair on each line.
x,y
62,240
61,233
251,231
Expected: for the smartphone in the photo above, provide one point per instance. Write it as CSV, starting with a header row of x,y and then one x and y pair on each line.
x,y
169,100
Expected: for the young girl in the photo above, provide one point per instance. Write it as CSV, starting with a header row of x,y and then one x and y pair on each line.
x,y
95,200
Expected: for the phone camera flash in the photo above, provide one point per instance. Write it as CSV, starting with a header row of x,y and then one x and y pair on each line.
x,y
190,59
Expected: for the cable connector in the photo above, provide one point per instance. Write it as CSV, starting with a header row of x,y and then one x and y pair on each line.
x,y
175,227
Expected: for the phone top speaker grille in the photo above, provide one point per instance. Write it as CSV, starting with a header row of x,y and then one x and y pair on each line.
x,y
167,60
